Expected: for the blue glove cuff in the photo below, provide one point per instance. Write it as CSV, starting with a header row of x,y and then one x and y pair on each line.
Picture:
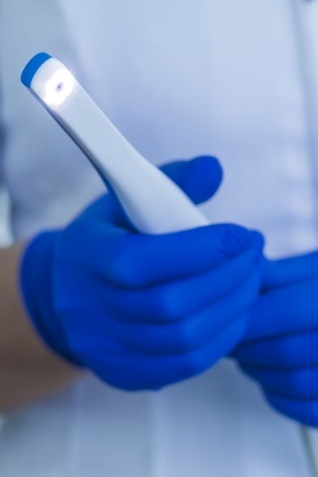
x,y
36,287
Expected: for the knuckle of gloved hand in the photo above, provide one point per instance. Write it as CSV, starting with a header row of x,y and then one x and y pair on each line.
x,y
168,304
184,337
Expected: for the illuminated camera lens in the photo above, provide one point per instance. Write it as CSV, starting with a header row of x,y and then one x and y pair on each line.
x,y
58,88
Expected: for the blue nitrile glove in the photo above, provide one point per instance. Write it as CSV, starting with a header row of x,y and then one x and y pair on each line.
x,y
281,348
142,311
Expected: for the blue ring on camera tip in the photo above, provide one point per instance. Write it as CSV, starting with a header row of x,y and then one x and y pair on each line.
x,y
32,67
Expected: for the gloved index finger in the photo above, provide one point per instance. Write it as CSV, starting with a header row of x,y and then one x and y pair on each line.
x,y
143,260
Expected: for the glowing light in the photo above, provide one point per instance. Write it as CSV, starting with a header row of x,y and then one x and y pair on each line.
x,y
58,87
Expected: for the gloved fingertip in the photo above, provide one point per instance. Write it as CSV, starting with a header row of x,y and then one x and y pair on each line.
x,y
199,178
257,239
208,165
238,239
234,241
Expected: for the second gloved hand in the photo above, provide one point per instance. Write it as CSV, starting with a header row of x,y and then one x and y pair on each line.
x,y
281,348
143,311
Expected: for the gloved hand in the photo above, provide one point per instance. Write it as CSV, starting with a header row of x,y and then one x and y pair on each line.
x,y
280,350
143,311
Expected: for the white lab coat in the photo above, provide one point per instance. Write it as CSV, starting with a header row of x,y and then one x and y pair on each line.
x,y
236,79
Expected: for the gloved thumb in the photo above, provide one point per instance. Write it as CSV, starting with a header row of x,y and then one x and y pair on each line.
x,y
199,178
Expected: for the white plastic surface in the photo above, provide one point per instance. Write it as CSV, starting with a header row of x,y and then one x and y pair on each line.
x,y
153,203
